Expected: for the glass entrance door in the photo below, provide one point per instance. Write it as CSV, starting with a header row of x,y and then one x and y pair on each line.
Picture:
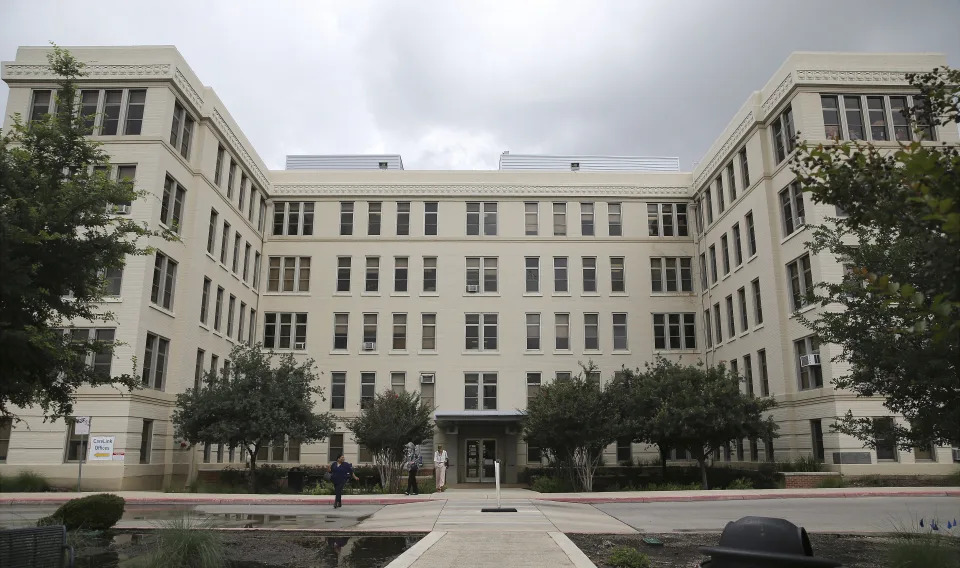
x,y
480,458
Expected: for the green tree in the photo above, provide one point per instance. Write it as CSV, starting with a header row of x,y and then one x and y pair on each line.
x,y
573,420
895,314
57,239
386,425
258,403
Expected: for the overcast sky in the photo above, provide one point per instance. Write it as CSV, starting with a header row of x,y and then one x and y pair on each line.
x,y
453,84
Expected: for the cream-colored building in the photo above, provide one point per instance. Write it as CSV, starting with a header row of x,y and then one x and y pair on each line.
x,y
472,287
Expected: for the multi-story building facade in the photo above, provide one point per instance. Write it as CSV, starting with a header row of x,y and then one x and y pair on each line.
x,y
472,287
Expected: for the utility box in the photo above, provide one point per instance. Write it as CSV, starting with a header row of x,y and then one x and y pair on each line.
x,y
762,542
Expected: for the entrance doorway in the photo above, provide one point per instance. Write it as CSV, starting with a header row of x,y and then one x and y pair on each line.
x,y
480,457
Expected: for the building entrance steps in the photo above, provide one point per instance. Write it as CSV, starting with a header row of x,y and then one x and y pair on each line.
x,y
469,549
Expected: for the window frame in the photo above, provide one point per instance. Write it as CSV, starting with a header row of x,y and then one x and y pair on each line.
x,y
274,323
658,215
181,130
164,281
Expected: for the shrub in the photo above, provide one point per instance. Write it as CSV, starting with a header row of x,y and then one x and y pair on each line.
x,y
627,557
740,483
832,482
187,541
672,487
24,482
94,513
427,486
546,484
808,463
268,477
322,488
924,550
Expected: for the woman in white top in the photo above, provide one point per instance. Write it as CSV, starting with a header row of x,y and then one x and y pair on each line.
x,y
440,462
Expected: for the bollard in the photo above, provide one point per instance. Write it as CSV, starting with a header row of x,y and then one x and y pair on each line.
x,y
764,542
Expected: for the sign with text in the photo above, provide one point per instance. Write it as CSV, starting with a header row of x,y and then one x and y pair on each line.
x,y
81,425
101,448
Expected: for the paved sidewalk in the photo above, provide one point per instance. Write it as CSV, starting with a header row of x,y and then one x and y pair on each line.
x,y
481,550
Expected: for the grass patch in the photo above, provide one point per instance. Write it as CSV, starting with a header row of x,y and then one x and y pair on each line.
x,y
186,541
24,482
924,550
628,557
740,483
833,482
803,463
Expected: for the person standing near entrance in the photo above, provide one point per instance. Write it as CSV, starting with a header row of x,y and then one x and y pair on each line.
x,y
340,472
440,463
414,461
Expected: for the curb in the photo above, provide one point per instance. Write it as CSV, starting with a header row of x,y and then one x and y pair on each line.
x,y
725,496
216,501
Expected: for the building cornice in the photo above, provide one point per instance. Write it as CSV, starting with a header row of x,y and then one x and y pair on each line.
x,y
440,190
731,141
241,149
774,98
14,71
836,76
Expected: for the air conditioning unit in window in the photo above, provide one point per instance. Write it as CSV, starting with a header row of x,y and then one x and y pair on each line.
x,y
122,209
810,360
300,345
473,288
426,378
801,221
369,345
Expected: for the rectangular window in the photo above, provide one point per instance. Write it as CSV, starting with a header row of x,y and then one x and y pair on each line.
x,y
791,208
783,134
721,198
368,389
877,115
429,274
400,272
256,270
335,448
224,243
262,214
285,330
42,104
346,217
243,192
764,376
231,306
253,326
164,281
533,332
853,112
76,443
171,208
480,391
369,332
212,232
481,275
560,274
181,130
372,275
398,382
619,332
713,263
703,271
708,327
698,211
725,253
430,218
886,440
744,169
731,182
218,309
667,219
559,219
532,274
731,319
399,332
403,218
146,441
674,331
205,300
218,169
485,211
531,218
717,323
338,391
816,439
235,267
341,327
708,204
343,273
481,332
428,332
899,116
562,331
617,275
589,274
808,368
533,386
105,121
231,178
757,303
737,245
624,451
751,235
831,117
591,332
292,218
800,276
615,219
586,219
246,261
744,320
671,274
198,369
155,356
373,218
241,320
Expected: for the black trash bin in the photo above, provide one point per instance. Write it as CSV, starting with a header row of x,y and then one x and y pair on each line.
x,y
762,542
295,479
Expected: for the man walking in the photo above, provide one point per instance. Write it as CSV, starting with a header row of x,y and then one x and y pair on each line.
x,y
440,463
414,461
340,472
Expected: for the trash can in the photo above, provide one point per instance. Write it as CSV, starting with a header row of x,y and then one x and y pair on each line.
x,y
761,542
295,480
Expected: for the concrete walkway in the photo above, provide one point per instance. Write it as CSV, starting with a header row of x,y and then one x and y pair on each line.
x,y
481,550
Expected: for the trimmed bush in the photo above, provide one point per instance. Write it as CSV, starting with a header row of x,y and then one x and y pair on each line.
x,y
93,513
740,483
547,484
24,482
628,557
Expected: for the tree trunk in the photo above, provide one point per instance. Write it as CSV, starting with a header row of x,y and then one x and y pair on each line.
x,y
253,468
703,472
663,463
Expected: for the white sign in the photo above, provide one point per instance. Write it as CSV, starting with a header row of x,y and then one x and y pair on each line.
x,y
101,448
81,425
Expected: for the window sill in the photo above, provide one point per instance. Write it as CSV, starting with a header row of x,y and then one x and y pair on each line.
x,y
429,294
399,294
286,294
758,327
561,294
346,294
235,275
163,310
619,294
370,294
672,294
655,351
339,352
478,352
211,257
204,326
744,333
592,352
621,352
563,352
373,352
481,294
802,310
797,231
427,352
725,276
590,295
533,352
532,295
398,352
738,267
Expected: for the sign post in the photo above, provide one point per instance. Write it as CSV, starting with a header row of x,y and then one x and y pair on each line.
x,y
81,427
499,509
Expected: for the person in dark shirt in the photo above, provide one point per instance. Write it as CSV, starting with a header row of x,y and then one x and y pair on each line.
x,y
340,472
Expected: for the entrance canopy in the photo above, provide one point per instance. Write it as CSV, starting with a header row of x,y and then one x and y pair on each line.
x,y
478,417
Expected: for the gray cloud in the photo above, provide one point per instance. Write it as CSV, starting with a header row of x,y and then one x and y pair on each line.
x,y
451,85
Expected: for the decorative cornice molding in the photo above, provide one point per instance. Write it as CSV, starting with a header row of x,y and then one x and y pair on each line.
x,y
181,81
149,71
282,190
824,75
777,94
244,154
732,140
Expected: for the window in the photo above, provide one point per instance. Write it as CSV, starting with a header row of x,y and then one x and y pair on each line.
x,y
198,369
373,218
731,182
831,117
368,389
899,115
791,208
338,390
617,275
398,382
346,217
293,218
481,336
703,271
99,361
674,331
533,386
231,178
816,439
429,274
885,438
472,395
757,303
563,376
105,120
218,309
218,169
737,245
707,327
212,232
667,219
713,263
671,274
181,130
231,304
428,332
43,103
112,281
171,208
589,274
400,332
285,330
430,218
725,253
808,368
372,274
624,451
708,204
262,214
559,219
800,277
783,134
533,332
489,213
843,117
481,274
155,361
744,320
751,235
560,274
224,243
253,325
744,169
532,274
256,270
400,273
246,261
343,273
698,210
76,443
241,319
615,219
586,219
531,218
717,323
731,319
920,453
341,328
146,441
764,377
243,192
236,252
562,331
164,280
403,218
205,300
721,198
335,448
370,330
591,332
619,332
